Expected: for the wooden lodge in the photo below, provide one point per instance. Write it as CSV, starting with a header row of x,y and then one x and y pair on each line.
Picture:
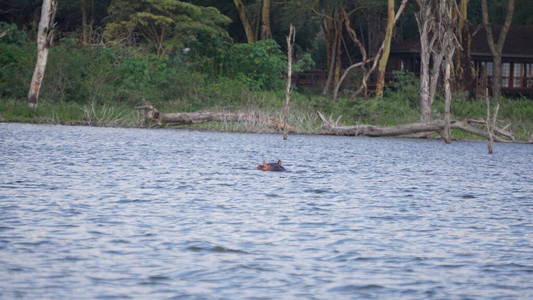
x,y
314,77
517,63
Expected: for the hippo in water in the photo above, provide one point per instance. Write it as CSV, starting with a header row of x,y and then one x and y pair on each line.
x,y
271,166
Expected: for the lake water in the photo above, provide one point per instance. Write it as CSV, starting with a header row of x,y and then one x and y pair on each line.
x,y
111,213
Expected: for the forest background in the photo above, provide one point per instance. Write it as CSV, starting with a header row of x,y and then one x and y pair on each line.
x,y
109,57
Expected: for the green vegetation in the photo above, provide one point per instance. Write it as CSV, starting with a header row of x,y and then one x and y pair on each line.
x,y
181,56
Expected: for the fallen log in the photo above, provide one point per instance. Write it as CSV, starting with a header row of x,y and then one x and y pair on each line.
x,y
404,129
153,116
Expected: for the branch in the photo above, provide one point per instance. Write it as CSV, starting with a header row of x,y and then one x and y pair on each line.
x,y
4,33
378,54
404,129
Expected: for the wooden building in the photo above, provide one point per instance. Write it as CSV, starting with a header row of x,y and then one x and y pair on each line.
x,y
517,61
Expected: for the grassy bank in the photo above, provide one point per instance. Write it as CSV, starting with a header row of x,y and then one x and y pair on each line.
x,y
103,85
394,109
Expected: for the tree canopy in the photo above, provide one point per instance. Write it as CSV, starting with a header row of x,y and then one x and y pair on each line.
x,y
165,24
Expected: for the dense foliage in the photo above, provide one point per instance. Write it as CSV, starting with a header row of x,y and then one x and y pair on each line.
x,y
191,55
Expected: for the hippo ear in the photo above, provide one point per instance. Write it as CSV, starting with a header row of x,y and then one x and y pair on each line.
x,y
279,162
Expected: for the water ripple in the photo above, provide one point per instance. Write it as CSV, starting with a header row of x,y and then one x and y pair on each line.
x,y
111,213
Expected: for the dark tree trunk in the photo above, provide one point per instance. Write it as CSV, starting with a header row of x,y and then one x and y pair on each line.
x,y
241,9
496,47
266,32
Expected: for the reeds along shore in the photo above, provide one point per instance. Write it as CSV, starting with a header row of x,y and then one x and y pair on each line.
x,y
516,115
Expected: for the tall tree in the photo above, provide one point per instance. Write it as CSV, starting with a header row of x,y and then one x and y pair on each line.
x,y
379,52
386,49
84,26
465,72
496,47
250,36
332,29
266,31
426,20
448,22
288,89
87,21
164,24
45,35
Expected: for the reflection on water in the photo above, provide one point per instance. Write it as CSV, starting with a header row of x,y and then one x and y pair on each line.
x,y
129,213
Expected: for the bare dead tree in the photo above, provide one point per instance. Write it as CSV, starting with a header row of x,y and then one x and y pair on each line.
x,y
374,60
45,36
436,22
491,124
447,41
288,89
425,19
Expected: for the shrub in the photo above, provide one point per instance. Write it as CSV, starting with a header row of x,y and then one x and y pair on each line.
x,y
116,74
405,84
12,34
259,65
16,67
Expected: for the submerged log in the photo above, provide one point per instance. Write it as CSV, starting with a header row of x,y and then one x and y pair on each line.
x,y
406,129
153,116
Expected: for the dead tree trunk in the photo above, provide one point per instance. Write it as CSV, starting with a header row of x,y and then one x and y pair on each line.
x,y
288,90
436,126
448,100
44,39
426,21
491,124
154,117
447,22
434,78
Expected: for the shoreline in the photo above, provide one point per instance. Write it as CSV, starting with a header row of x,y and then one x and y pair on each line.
x,y
363,117
272,132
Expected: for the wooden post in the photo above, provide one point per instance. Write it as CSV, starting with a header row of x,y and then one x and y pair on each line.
x,y
44,38
290,50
